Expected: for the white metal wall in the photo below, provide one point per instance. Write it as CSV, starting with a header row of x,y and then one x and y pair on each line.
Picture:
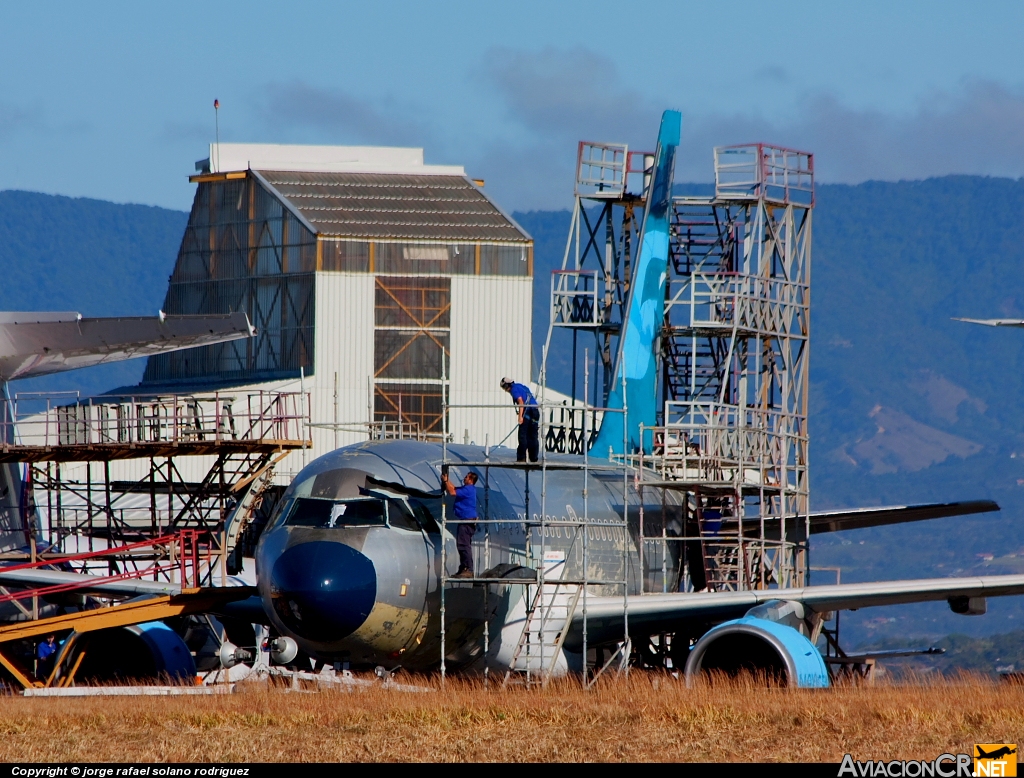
x,y
344,348
490,338
343,340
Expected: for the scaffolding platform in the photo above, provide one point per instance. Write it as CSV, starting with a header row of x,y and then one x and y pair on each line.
x,y
552,596
158,426
116,470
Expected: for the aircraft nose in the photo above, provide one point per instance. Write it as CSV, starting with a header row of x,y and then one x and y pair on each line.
x,y
323,590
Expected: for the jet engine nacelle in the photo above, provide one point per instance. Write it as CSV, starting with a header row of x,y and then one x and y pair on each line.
x,y
760,646
147,652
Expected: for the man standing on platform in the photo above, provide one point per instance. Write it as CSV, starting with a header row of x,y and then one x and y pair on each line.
x,y
529,419
466,515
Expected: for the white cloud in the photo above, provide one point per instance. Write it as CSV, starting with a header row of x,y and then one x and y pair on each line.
x,y
337,116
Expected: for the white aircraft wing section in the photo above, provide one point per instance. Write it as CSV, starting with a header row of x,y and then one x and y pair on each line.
x,y
86,584
33,344
654,612
993,322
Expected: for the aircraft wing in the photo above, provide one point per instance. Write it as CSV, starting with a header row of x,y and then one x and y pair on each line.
x,y
33,344
86,584
665,612
993,322
859,518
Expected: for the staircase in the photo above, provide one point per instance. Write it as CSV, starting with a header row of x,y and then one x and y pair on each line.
x,y
244,514
549,612
724,565
231,472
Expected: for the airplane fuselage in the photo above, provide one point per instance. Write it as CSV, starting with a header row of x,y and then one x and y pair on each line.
x,y
350,565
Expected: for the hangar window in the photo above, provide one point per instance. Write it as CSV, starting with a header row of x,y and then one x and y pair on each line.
x,y
243,251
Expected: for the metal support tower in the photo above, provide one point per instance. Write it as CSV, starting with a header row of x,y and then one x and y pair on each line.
x,y
589,293
735,370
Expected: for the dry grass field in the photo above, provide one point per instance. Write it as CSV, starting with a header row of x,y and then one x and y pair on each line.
x,y
644,717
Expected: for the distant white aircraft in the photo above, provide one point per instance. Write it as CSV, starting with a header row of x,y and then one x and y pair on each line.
x,y
39,343
993,322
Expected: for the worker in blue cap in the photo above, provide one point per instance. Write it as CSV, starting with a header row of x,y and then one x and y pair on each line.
x,y
529,419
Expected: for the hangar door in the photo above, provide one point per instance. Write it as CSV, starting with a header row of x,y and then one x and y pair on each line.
x,y
412,326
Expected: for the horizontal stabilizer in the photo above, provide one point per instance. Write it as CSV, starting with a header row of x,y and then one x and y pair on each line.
x,y
33,344
993,322
859,518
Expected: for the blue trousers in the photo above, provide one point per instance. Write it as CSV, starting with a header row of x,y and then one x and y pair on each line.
x,y
529,439
464,543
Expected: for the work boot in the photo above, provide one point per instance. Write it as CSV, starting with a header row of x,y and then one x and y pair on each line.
x,y
464,573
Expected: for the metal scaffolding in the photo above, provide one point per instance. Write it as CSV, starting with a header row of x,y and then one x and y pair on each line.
x,y
735,370
127,469
589,292
554,566
731,441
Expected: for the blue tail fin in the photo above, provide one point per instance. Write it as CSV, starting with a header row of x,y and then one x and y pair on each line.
x,y
646,309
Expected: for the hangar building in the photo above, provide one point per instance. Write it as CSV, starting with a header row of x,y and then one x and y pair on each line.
x,y
359,267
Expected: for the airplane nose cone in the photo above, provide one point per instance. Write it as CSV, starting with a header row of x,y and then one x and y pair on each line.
x,y
323,591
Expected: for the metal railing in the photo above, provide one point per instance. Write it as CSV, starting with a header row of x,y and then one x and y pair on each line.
x,y
178,558
145,419
760,170
752,303
574,298
705,439
601,169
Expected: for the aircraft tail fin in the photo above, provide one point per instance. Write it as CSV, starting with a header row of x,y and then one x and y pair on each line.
x,y
636,362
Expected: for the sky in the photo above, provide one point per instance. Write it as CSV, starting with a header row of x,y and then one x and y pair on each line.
x,y
115,100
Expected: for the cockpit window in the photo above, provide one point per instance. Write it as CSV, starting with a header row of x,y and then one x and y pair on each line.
x,y
424,515
400,516
326,514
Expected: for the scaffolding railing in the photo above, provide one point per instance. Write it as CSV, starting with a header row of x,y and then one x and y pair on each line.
x,y
382,429
106,473
177,558
147,420
722,442
575,298
710,299
759,170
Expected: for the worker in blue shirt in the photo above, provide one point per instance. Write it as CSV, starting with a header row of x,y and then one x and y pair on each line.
x,y
529,419
465,513
46,654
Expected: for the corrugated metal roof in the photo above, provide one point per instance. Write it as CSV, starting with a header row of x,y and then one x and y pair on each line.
x,y
405,207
